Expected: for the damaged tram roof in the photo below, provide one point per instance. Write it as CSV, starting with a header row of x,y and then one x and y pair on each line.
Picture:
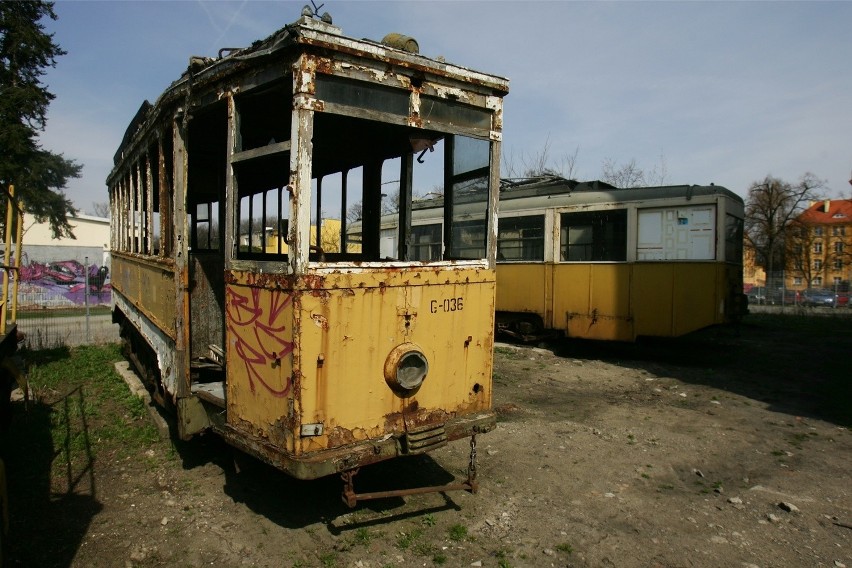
x,y
203,79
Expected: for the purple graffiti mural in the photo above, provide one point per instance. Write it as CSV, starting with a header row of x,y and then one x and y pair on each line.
x,y
62,283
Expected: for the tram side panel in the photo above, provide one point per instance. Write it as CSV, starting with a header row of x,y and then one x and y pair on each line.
x,y
525,289
307,364
594,300
262,381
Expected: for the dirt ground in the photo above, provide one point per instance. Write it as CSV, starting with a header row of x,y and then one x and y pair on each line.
x,y
727,448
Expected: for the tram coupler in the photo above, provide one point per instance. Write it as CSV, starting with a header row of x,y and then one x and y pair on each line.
x,y
351,498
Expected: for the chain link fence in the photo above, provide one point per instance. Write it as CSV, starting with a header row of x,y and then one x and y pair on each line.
x,y
784,291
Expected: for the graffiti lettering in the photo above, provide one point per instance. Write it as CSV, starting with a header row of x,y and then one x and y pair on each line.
x,y
254,322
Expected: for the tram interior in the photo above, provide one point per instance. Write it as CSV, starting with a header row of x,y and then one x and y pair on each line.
x,y
361,170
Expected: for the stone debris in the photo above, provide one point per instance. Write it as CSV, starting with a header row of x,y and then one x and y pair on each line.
x,y
789,507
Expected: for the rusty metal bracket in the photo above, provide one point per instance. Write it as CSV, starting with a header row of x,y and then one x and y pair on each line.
x,y
351,498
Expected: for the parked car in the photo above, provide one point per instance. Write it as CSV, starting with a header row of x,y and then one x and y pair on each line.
x,y
757,295
819,297
783,297
843,299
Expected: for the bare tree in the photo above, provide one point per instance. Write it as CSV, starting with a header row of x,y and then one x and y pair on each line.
x,y
355,212
627,176
390,202
100,209
540,163
771,206
630,175
798,247
658,176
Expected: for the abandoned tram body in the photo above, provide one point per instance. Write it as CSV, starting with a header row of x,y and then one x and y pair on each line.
x,y
602,263
590,261
242,299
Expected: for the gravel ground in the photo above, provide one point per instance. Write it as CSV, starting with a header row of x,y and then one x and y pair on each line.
x,y
728,448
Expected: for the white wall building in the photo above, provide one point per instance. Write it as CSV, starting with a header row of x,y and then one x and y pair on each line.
x,y
92,241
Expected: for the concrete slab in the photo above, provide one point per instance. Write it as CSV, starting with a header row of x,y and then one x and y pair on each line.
x,y
134,383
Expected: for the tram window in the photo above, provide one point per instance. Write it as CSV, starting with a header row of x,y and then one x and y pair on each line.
x,y
204,227
390,231
521,238
426,242
166,152
352,206
594,236
361,95
264,224
326,221
733,239
469,239
264,116
469,181
451,112
154,243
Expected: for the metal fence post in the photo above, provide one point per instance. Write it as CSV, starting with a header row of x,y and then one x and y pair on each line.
x,y
86,299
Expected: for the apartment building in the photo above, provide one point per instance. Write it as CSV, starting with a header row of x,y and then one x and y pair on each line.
x,y
820,253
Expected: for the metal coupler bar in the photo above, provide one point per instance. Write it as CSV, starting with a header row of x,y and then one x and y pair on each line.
x,y
351,498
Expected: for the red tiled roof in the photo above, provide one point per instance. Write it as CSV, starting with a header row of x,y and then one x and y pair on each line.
x,y
839,213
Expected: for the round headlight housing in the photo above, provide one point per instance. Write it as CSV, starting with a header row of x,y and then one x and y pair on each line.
x,y
405,369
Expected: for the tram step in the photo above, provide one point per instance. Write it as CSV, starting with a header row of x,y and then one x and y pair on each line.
x,y
211,392
424,439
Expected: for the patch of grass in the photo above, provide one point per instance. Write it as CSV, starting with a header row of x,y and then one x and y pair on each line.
x,y
328,560
425,549
88,405
439,558
429,521
565,547
502,561
457,532
63,312
405,540
363,536
797,439
508,353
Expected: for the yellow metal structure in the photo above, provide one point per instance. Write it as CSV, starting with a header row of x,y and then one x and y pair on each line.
x,y
617,302
593,261
246,299
669,265
314,355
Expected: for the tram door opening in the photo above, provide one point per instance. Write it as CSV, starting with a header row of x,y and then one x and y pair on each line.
x,y
205,206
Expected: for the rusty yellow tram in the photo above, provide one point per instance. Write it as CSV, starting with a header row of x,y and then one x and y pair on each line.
x,y
243,300
591,261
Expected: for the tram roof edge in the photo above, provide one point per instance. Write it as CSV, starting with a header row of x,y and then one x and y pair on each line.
x,y
306,31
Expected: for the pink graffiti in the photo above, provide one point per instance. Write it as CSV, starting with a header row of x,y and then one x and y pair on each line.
x,y
254,320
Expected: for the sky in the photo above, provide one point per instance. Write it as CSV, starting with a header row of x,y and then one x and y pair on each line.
x,y
693,92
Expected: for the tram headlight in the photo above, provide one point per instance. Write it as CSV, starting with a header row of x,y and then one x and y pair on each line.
x,y
405,369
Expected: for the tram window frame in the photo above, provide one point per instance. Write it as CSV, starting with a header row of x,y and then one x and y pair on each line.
x,y
383,232
733,239
275,226
467,177
205,227
604,233
531,247
426,243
